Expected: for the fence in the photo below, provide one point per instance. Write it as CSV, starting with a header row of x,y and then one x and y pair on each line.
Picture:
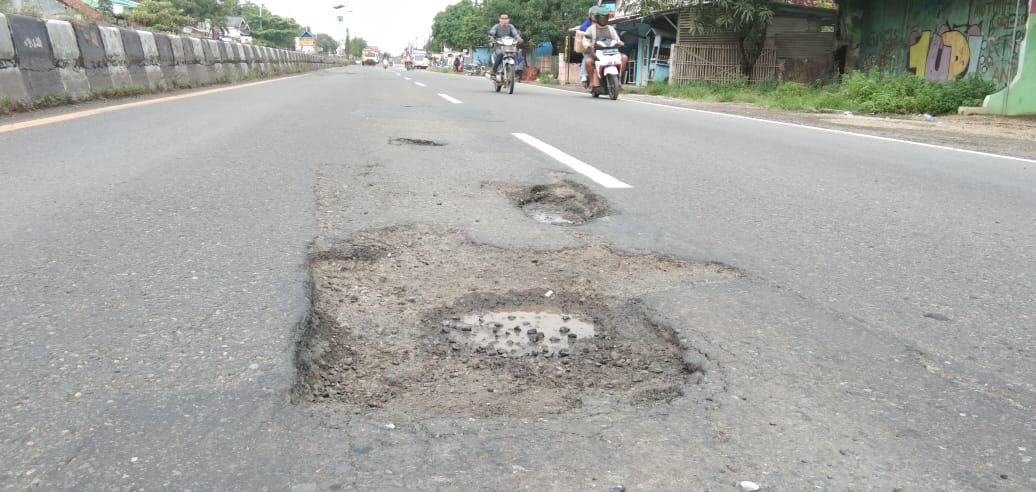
x,y
717,63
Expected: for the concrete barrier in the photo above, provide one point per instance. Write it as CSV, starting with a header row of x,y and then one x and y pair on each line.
x,y
115,56
65,52
214,57
155,78
32,49
92,54
194,52
12,85
242,58
134,57
181,75
40,58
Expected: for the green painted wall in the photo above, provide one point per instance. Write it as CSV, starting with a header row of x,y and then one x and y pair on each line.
x,y
1019,98
937,39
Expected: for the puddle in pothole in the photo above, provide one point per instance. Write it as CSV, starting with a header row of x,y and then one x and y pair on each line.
x,y
526,331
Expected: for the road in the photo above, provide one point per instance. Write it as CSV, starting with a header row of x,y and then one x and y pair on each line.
x,y
871,328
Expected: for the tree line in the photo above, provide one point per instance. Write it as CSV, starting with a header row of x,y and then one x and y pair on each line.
x,y
266,27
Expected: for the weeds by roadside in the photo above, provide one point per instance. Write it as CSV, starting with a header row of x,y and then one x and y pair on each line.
x,y
547,79
860,92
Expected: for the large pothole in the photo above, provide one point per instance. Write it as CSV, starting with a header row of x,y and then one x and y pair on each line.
x,y
563,203
419,321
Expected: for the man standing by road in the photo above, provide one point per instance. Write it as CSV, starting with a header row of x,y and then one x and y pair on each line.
x,y
500,30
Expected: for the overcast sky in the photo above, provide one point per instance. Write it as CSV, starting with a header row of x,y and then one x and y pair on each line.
x,y
387,24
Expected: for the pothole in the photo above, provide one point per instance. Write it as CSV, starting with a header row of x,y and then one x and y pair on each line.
x,y
565,203
419,321
415,141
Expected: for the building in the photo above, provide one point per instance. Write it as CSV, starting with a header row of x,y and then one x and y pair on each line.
x,y
665,45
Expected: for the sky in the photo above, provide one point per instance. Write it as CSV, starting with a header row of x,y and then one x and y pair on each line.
x,y
388,24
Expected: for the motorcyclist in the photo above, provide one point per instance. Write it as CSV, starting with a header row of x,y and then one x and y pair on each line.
x,y
600,30
500,30
579,43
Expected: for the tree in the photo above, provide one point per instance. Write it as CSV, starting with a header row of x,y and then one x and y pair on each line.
x,y
747,19
356,46
214,10
106,7
159,15
270,30
326,43
465,25
550,20
459,25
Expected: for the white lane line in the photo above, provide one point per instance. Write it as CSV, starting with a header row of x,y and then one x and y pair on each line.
x,y
841,132
450,99
406,78
579,166
420,84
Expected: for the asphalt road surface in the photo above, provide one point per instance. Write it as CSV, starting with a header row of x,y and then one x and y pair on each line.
x,y
154,286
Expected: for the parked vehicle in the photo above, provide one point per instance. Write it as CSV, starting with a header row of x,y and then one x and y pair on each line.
x,y
607,64
506,77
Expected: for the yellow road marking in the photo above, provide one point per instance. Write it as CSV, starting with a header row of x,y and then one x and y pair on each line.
x,y
107,109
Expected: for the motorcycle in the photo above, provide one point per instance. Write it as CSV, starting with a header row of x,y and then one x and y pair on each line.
x,y
384,63
506,77
408,64
607,64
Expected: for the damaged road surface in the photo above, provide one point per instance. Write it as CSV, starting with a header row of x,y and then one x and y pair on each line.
x,y
385,280
421,322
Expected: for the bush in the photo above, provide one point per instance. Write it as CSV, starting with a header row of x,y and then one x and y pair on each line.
x,y
547,79
876,92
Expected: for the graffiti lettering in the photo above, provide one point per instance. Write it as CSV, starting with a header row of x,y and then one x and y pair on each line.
x,y
944,40
33,42
944,55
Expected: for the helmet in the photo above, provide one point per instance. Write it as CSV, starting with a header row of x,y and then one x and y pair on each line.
x,y
600,12
590,13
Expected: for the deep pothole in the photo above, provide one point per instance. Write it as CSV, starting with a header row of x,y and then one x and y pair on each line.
x,y
419,321
565,203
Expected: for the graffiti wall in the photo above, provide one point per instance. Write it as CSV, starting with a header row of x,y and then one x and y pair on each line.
x,y
943,39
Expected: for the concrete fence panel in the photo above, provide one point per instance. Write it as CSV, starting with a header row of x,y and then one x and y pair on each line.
x,y
115,56
165,51
32,49
94,59
12,85
230,69
264,58
154,72
134,57
200,70
180,74
216,59
242,60
65,50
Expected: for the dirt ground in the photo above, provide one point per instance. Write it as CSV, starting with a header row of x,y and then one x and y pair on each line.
x,y
1011,136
